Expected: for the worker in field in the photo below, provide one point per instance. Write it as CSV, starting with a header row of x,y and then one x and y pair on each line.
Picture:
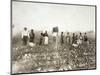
x,y
86,39
73,38
68,38
62,38
41,39
76,39
31,36
45,38
25,36
80,39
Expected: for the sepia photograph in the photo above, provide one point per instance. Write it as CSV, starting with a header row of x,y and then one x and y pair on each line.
x,y
52,37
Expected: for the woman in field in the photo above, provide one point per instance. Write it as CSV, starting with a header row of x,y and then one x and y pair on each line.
x,y
80,39
25,36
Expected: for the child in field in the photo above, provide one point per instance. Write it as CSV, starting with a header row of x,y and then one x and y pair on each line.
x,y
25,36
32,36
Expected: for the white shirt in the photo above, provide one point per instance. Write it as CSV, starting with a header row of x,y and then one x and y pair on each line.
x,y
25,33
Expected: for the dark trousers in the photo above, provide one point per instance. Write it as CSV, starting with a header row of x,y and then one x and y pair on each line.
x,y
31,39
25,39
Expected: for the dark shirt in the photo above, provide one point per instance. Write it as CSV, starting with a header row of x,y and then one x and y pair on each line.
x,y
32,35
85,38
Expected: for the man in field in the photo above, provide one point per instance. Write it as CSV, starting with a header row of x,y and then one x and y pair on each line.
x,y
32,36
25,36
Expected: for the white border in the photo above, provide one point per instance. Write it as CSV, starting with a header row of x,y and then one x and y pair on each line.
x,y
5,37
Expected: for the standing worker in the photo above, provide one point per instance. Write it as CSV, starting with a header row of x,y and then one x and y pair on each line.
x,y
62,38
32,36
25,36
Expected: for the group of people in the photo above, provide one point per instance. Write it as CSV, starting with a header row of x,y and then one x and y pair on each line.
x,y
29,36
75,39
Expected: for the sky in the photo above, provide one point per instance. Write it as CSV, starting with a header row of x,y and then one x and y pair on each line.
x,y
42,16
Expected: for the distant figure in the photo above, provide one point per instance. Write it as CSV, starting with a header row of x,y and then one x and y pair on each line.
x,y
25,36
68,38
73,38
41,39
80,39
46,38
86,39
32,36
62,38
76,39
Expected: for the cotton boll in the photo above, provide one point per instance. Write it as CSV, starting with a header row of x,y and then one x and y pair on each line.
x,y
31,44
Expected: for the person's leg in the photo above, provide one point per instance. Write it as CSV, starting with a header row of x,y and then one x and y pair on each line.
x,y
23,40
26,39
